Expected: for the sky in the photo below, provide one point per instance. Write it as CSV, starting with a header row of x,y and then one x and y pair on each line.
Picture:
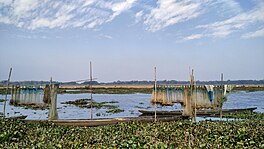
x,y
126,39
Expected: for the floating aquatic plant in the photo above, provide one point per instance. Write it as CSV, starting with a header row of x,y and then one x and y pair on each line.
x,y
78,102
245,115
247,133
2,100
86,103
115,111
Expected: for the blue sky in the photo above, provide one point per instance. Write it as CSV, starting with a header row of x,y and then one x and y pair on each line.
x,y
125,39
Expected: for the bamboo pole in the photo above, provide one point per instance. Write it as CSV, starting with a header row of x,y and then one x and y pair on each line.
x,y
9,76
91,79
155,93
222,86
50,87
195,103
12,95
191,96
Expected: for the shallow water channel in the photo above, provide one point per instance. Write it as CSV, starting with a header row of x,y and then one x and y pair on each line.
x,y
130,103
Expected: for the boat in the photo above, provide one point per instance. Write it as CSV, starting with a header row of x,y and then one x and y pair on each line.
x,y
108,121
198,112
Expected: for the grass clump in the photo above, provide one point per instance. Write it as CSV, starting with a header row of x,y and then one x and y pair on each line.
x,y
78,102
245,115
2,100
33,106
179,134
115,111
86,103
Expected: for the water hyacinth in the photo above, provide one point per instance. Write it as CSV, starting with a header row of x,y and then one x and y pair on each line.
x,y
180,134
2,100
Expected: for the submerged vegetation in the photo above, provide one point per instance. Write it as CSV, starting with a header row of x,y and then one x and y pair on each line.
x,y
249,88
33,106
78,102
116,110
86,103
245,115
105,90
2,100
181,134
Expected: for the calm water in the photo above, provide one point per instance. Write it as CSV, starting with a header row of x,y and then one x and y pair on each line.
x,y
131,103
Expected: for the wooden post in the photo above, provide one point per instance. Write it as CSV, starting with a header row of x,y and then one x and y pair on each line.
x,y
222,86
188,109
12,95
187,102
49,93
53,114
18,93
195,101
155,92
91,79
9,76
191,95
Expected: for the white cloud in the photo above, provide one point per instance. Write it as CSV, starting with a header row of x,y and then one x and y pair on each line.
x,y
258,33
60,21
118,8
5,20
225,6
105,36
5,2
88,14
88,2
193,36
236,23
170,12
34,14
23,7
138,16
234,5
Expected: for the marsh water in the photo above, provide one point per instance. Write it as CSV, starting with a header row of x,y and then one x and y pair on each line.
x,y
130,103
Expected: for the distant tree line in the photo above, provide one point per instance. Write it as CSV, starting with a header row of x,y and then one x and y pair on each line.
x,y
236,82
134,82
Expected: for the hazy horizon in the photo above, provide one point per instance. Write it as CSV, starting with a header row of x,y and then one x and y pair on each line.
x,y
126,39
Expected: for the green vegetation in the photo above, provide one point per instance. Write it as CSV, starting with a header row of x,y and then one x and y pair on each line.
x,y
33,106
249,88
78,102
245,115
125,90
3,91
2,100
116,110
139,107
179,134
103,90
86,103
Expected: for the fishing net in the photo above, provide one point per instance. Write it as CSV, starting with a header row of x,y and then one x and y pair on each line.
x,y
26,95
200,96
